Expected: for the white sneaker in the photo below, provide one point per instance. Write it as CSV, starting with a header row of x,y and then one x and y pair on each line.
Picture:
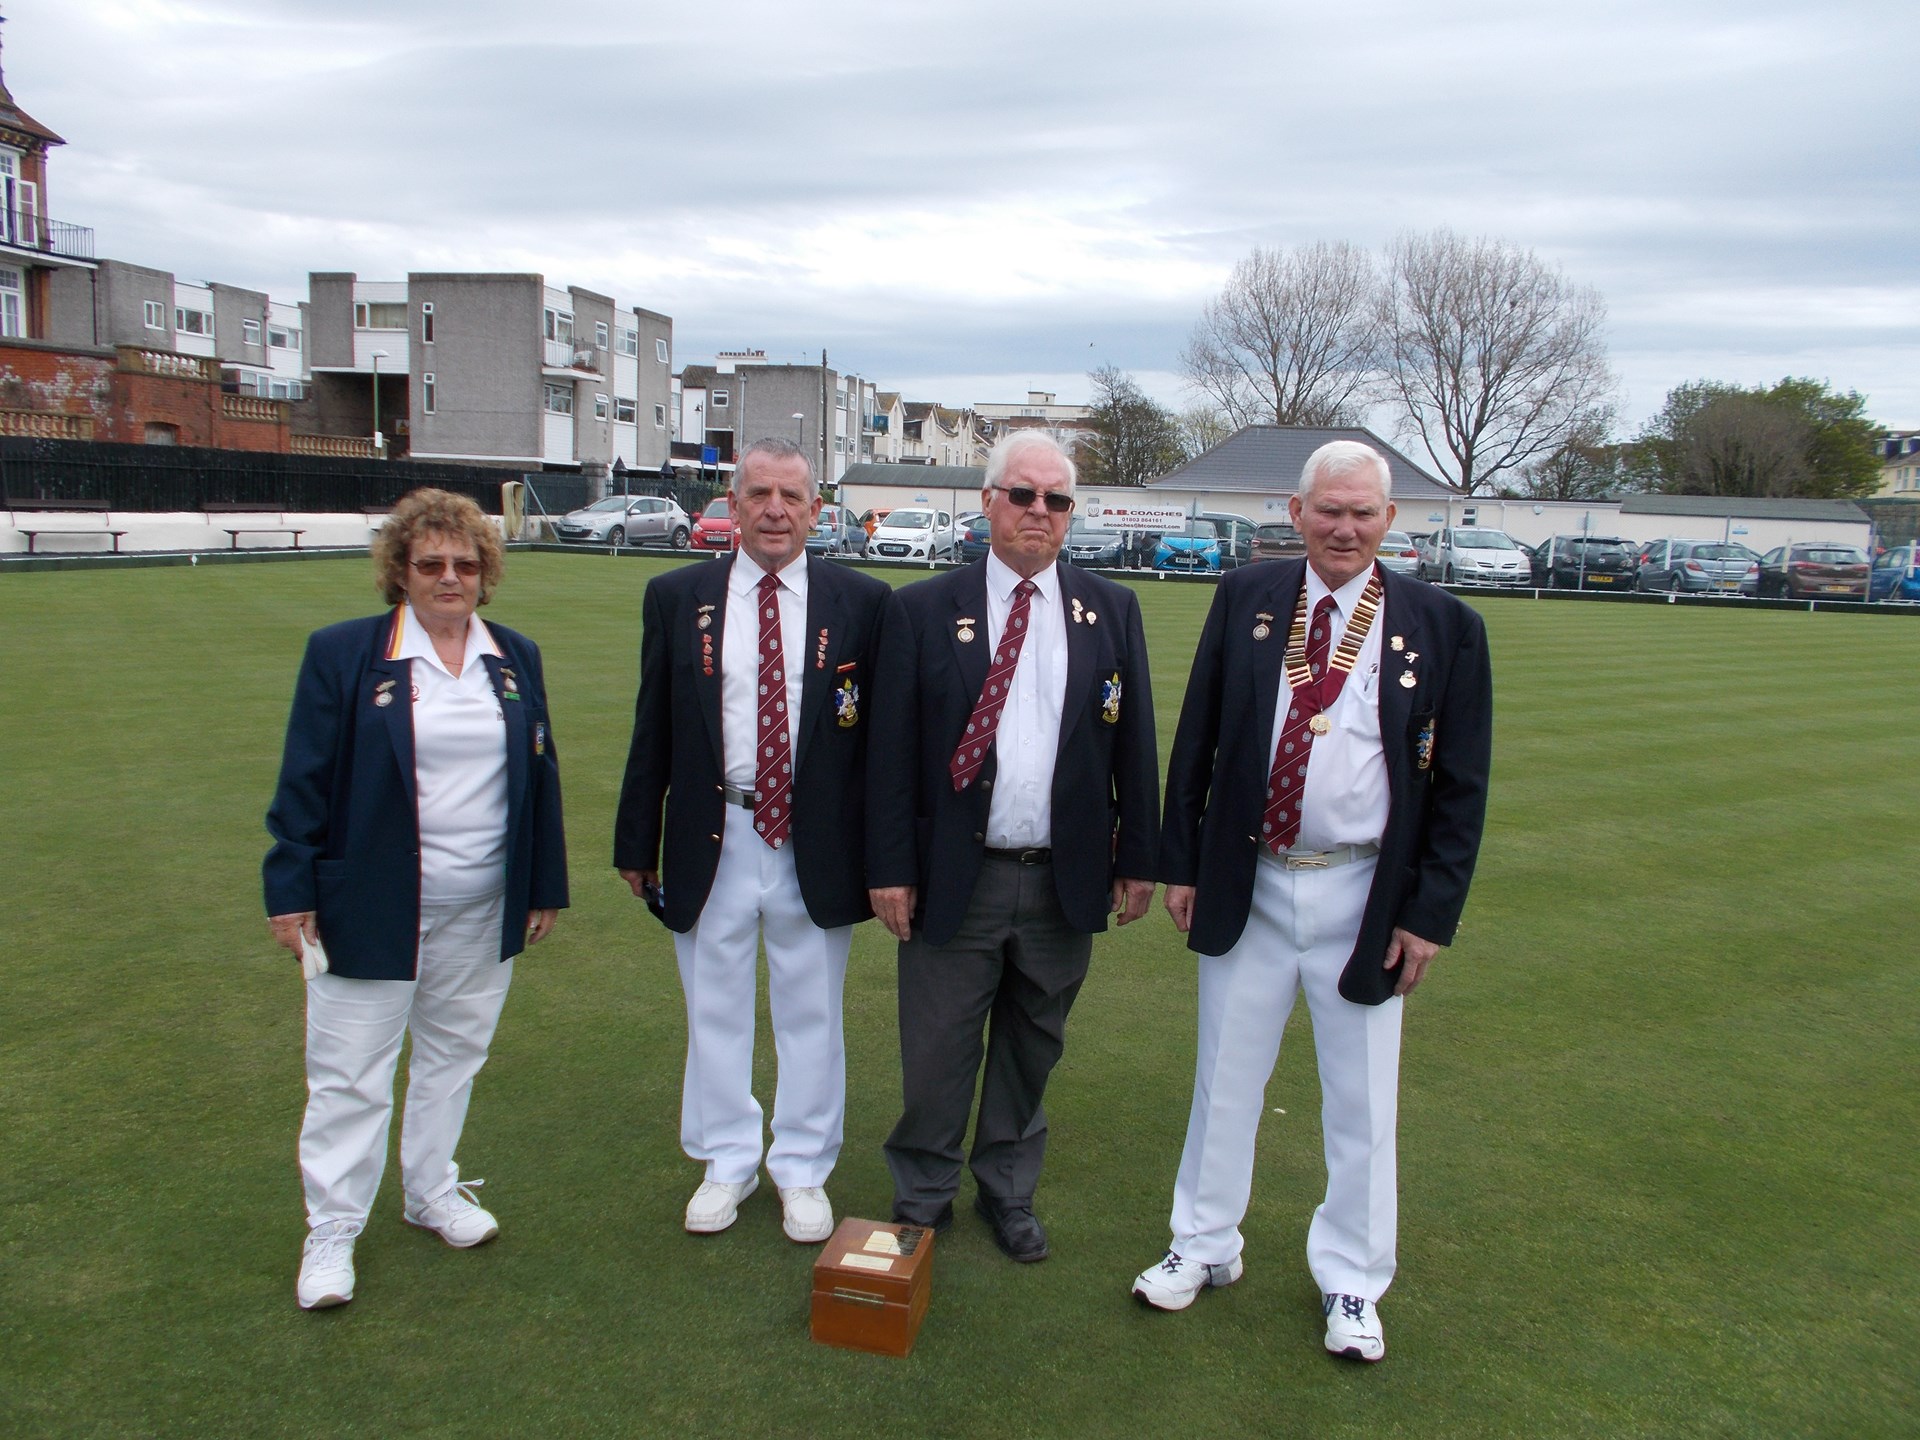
x,y
808,1217
1353,1328
454,1217
715,1205
1172,1284
326,1266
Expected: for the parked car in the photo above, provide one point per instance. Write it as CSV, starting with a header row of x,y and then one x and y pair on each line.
x,y
1087,545
1815,568
1397,553
1582,562
976,540
836,532
1896,575
1236,537
714,530
964,519
1195,548
1277,540
626,520
1682,566
1469,555
914,533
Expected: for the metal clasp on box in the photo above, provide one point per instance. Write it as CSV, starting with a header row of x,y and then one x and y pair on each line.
x,y
859,1297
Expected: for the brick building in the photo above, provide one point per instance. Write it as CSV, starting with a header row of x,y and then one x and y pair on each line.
x,y
133,396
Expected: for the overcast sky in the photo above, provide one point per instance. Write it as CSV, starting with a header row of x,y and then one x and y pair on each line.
x,y
967,200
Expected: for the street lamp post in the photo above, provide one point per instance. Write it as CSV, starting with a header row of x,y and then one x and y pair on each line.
x,y
379,447
799,419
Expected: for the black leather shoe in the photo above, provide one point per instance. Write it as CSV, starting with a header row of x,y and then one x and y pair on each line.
x,y
1016,1229
941,1223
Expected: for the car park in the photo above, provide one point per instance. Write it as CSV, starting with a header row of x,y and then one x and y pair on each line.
x,y
914,533
1277,540
836,532
1896,575
626,520
1195,548
1814,569
1470,555
1087,545
1585,562
1397,553
976,540
1236,537
1697,566
714,530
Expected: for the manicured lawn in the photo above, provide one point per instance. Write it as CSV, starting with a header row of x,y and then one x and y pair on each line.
x,y
1658,1169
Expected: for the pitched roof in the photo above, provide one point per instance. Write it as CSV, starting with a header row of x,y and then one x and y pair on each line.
x,y
944,477
1268,459
1744,507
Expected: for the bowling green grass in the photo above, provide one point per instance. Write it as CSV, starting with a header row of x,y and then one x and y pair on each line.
x,y
1658,1165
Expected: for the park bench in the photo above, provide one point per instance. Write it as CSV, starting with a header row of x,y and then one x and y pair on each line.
x,y
234,532
33,531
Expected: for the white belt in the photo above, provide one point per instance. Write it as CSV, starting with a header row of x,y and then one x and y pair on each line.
x,y
1322,859
745,799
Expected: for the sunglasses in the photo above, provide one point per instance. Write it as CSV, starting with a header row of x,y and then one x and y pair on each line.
x,y
438,565
1023,496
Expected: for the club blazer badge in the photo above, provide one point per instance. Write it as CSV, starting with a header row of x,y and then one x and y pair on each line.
x,y
1110,699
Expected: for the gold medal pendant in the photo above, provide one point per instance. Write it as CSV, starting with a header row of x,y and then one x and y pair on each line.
x,y
1320,724
1261,631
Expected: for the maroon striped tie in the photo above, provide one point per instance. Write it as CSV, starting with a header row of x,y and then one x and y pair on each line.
x,y
972,753
773,778
1287,785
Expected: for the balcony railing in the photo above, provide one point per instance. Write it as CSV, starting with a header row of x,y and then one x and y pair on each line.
x,y
26,231
167,364
354,447
571,355
46,425
253,407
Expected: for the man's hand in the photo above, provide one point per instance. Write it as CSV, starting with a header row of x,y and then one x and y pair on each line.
x,y
1418,954
288,930
540,925
893,908
1131,899
1180,906
641,881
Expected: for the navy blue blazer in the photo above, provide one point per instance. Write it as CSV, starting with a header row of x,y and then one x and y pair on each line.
x,y
345,820
1436,734
670,796
1106,771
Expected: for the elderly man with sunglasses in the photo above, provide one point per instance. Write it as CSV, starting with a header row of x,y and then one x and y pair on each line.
x,y
1013,798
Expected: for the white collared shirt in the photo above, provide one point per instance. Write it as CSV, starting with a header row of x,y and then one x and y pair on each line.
x,y
740,662
1346,792
1027,741
459,766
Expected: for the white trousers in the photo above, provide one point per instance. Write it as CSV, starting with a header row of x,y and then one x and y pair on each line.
x,y
1298,937
756,896
354,1030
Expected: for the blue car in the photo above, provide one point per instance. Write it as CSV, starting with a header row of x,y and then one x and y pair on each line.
x,y
1195,548
975,540
1896,575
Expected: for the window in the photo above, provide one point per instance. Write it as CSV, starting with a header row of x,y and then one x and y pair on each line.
x,y
839,444
559,326
840,397
193,322
719,401
249,332
281,338
379,315
426,323
600,334
623,410
427,396
629,341
660,351
659,417
600,407
156,315
558,399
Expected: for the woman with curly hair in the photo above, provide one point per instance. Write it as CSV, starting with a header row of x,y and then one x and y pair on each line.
x,y
417,848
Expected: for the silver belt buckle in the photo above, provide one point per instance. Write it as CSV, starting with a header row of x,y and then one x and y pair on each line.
x,y
1313,860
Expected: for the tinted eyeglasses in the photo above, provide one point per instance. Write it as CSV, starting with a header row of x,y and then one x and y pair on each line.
x,y
437,565
1023,496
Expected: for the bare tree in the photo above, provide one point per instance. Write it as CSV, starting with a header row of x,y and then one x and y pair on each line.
x,y
1139,438
1291,340
1583,467
1201,428
1495,358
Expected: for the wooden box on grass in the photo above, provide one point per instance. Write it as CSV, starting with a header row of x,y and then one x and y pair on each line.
x,y
870,1286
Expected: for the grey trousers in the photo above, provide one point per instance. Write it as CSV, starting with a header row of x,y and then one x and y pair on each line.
x,y
1012,971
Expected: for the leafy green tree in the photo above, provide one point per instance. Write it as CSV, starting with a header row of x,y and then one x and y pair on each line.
x,y
1799,438
1138,438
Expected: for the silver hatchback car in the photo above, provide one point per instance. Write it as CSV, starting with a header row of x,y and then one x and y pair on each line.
x,y
627,520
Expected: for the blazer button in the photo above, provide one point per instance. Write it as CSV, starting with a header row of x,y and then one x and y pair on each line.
x,y
714,838
979,839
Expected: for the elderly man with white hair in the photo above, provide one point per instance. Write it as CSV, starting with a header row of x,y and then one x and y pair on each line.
x,y
1325,799
1012,804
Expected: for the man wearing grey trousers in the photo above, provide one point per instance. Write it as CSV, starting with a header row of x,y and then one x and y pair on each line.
x,y
1013,797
